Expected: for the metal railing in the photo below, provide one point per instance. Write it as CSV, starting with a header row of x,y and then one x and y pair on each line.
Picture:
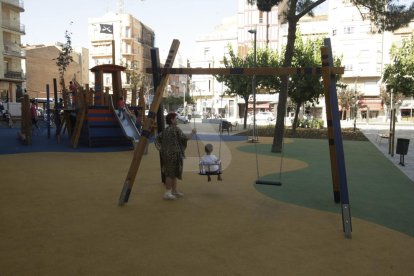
x,y
13,50
14,75
19,4
14,27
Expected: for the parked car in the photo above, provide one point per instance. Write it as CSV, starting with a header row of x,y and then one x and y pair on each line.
x,y
263,118
265,115
197,114
182,119
165,112
180,110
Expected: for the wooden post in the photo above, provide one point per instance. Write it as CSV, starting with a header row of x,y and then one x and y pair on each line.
x,y
337,164
155,61
147,128
80,118
26,124
99,88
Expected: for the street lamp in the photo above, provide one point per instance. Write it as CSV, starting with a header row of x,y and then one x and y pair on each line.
x,y
184,85
254,139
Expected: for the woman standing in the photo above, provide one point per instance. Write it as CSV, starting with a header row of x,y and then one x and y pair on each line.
x,y
172,143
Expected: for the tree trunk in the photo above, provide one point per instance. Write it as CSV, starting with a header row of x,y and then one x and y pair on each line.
x,y
134,96
246,102
295,119
281,106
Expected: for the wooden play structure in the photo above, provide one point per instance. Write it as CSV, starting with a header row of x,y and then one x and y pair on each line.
x,y
328,72
89,115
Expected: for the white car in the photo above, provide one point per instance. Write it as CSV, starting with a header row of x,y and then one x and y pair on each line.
x,y
182,119
265,116
165,112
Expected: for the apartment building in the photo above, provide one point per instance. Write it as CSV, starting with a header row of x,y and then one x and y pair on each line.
x,y
41,68
364,50
210,49
11,74
132,42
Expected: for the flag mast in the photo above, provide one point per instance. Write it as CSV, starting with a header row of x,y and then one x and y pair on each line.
x,y
109,29
113,49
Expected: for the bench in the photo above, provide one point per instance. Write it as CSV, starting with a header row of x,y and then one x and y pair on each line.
x,y
381,136
225,125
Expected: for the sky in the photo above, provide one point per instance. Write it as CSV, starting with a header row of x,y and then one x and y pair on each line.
x,y
47,20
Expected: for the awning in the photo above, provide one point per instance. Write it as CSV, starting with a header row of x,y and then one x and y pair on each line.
x,y
371,104
261,105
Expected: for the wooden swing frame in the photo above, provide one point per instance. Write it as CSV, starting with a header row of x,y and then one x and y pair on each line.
x,y
328,72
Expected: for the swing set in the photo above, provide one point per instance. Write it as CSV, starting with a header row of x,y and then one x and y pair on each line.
x,y
328,72
209,167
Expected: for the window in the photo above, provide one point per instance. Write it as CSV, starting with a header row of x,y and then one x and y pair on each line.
x,y
348,30
127,31
260,17
349,67
206,51
334,32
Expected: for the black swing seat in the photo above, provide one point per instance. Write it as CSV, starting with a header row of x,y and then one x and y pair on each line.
x,y
210,169
268,182
210,173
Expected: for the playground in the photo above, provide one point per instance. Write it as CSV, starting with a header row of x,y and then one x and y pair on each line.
x,y
60,213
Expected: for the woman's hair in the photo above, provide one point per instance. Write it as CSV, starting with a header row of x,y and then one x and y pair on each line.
x,y
170,116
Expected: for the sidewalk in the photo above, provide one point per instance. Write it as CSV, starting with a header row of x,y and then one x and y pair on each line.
x,y
402,130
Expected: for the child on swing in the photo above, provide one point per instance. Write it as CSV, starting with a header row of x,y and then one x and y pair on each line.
x,y
209,163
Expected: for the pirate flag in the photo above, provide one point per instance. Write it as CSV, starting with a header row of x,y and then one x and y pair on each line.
x,y
107,28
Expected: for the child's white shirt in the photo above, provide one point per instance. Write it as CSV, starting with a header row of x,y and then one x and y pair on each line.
x,y
209,163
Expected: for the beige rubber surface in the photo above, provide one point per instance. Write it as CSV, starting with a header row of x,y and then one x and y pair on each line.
x,y
59,216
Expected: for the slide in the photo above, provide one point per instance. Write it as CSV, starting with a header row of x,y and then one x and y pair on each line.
x,y
127,124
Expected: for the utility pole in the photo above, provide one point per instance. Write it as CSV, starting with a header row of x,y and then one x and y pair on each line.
x,y
120,6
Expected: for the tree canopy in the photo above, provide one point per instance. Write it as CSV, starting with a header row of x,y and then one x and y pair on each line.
x,y
305,88
399,75
387,15
64,58
240,85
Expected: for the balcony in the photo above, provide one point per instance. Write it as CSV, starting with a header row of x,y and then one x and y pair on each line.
x,y
15,75
6,24
14,51
16,4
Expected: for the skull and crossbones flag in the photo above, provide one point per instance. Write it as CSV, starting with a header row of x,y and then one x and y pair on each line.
x,y
107,28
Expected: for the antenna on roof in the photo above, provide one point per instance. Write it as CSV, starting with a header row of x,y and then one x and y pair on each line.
x,y
120,6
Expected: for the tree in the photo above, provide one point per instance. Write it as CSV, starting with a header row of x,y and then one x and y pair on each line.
x,y
388,15
174,102
305,88
399,76
135,79
239,85
346,101
64,58
386,99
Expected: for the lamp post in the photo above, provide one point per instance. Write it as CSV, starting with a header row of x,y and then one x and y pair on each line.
x,y
184,86
254,139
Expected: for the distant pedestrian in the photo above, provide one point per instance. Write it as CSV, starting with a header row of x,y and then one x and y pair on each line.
x,y
33,115
58,118
1,108
72,91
